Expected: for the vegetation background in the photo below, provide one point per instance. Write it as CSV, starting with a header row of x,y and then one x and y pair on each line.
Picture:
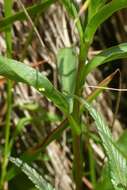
x,y
31,127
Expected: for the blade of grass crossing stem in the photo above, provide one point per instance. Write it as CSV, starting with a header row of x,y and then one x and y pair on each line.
x,y
8,39
20,16
39,182
22,73
52,136
116,160
104,13
110,54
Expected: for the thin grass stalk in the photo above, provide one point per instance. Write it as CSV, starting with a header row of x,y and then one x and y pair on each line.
x,y
29,39
8,38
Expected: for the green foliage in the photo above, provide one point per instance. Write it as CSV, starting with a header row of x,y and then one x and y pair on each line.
x,y
22,73
32,174
72,76
73,12
105,180
122,143
107,55
67,66
104,13
117,161
20,16
69,5
21,123
94,6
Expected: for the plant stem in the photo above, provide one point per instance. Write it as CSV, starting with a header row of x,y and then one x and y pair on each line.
x,y
8,36
78,161
77,143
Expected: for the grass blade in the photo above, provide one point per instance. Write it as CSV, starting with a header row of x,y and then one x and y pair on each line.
x,y
116,160
20,16
94,6
32,153
96,92
110,54
72,11
32,174
51,137
20,125
7,150
69,5
101,16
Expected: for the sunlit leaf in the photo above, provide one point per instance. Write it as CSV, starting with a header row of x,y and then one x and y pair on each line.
x,y
20,72
94,6
116,160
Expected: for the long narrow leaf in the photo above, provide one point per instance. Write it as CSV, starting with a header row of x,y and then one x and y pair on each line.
x,y
103,14
110,54
95,93
32,153
116,160
20,72
94,6
32,174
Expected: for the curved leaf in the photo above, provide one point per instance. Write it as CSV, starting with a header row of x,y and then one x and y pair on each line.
x,y
20,72
110,54
20,125
101,16
116,160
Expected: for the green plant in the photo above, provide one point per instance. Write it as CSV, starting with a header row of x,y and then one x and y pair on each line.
x,y
73,70
7,150
39,182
